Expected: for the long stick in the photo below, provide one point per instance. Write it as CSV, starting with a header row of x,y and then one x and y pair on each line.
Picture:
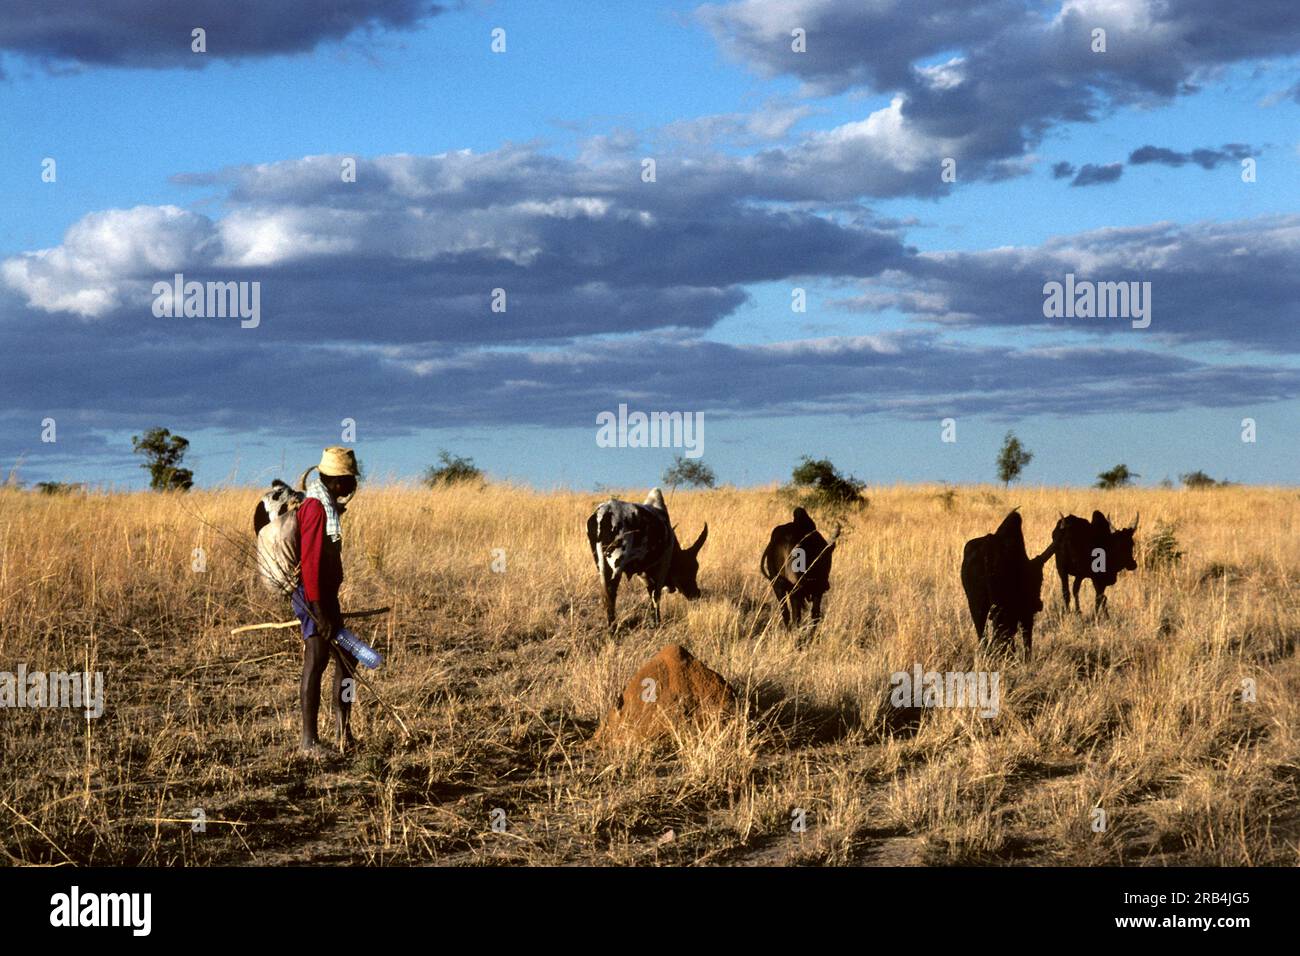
x,y
369,612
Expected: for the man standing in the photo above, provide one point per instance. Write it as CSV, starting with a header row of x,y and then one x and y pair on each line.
x,y
316,601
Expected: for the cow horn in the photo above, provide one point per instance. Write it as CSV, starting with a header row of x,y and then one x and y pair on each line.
x,y
699,542
1136,518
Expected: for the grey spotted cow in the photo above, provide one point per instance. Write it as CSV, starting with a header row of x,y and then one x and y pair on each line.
x,y
628,539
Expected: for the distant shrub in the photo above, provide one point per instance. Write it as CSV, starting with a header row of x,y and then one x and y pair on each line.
x,y
1162,548
59,487
691,472
947,498
1199,479
163,453
818,482
452,469
1117,477
1013,458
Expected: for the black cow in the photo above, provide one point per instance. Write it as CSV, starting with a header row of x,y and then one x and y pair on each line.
x,y
1001,579
797,562
628,539
1094,550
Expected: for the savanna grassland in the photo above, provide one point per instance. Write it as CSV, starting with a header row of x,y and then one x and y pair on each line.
x,y
503,677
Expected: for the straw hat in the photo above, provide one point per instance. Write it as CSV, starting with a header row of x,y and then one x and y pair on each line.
x,y
338,461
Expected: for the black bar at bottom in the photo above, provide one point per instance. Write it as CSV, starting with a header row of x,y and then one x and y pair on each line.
x,y
220,905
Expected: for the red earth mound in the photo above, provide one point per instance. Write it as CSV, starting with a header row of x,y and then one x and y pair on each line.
x,y
671,690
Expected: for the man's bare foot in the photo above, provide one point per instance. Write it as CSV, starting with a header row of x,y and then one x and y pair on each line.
x,y
313,748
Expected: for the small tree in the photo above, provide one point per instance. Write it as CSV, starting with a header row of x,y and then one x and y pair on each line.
x,y
1117,477
1012,459
691,472
451,469
1199,479
826,482
163,452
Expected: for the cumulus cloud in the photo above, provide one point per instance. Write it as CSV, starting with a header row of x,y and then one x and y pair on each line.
x,y
1231,282
91,273
413,250
984,81
148,33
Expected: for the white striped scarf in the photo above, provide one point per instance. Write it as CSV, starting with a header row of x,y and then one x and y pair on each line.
x,y
315,489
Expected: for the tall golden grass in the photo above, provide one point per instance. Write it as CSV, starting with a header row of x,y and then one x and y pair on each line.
x,y
503,677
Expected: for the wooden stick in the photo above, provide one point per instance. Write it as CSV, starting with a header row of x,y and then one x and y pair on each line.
x,y
370,612
191,820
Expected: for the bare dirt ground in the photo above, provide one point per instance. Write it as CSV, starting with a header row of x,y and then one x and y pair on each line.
x,y
503,677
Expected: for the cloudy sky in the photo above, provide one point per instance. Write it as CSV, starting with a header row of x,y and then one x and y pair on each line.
x,y
918,169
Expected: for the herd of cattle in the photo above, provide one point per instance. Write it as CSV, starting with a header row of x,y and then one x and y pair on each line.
x,y
1000,579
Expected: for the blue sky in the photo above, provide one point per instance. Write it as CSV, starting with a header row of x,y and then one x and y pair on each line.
x,y
775,171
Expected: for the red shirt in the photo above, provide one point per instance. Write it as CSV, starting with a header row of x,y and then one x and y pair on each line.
x,y
321,558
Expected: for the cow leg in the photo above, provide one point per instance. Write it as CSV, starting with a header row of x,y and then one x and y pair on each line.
x,y
1099,605
816,610
796,605
653,591
1027,628
1078,583
1004,630
609,592
1065,586
781,588
979,613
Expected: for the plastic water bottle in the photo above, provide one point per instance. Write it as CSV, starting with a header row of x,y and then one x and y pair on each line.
x,y
363,652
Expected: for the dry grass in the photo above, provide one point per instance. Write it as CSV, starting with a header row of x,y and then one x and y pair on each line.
x,y
503,677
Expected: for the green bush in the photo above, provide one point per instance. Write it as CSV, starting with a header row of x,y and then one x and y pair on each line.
x,y
816,481
451,469
691,472
1199,479
1117,477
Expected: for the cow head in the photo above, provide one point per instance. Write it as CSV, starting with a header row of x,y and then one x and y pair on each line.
x,y
1120,548
1033,580
685,566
